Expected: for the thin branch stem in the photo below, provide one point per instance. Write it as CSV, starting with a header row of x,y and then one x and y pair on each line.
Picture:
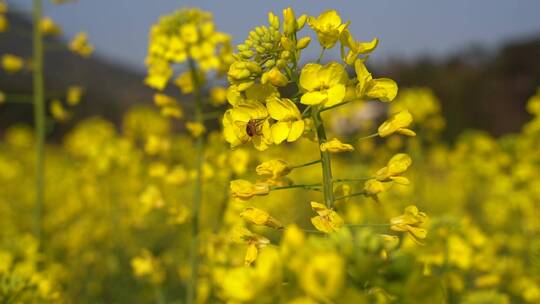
x,y
369,136
39,120
306,164
191,294
346,180
326,165
369,225
349,195
335,106
321,55
314,187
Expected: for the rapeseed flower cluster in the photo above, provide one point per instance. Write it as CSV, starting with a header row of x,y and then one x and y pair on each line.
x,y
313,215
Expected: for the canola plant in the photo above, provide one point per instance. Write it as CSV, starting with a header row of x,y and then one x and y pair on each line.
x,y
322,183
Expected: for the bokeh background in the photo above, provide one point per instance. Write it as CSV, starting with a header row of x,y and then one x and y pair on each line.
x,y
481,58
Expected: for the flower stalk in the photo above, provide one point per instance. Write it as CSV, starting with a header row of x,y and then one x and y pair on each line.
x,y
39,119
197,195
326,164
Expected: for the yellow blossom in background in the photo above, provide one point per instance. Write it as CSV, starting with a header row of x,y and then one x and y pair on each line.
x,y
49,28
336,146
323,84
289,125
327,220
398,123
328,27
195,129
12,63
254,243
260,217
274,168
244,190
2,97
218,96
74,95
159,73
58,111
4,24
185,82
324,276
383,89
80,45
409,222
146,265
162,100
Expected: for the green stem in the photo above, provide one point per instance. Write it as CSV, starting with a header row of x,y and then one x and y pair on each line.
x,y
321,55
369,136
350,195
326,164
305,186
39,120
335,106
346,180
368,225
306,164
191,294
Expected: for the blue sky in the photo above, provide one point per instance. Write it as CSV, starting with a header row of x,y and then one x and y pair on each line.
x,y
119,28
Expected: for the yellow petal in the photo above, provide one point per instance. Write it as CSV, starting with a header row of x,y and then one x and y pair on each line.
x,y
336,94
309,77
313,98
251,254
280,131
297,129
384,89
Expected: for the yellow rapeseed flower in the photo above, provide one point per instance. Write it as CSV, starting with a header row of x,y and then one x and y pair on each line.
x,y
323,84
336,146
260,217
195,129
254,243
244,190
383,89
218,96
396,166
409,222
49,28
328,27
356,48
327,220
247,122
58,111
4,24
274,168
323,276
12,63
289,125
80,45
74,95
398,123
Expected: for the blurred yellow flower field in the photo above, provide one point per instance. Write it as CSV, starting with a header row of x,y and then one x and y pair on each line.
x,y
251,179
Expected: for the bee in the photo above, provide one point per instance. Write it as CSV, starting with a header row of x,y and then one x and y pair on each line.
x,y
253,127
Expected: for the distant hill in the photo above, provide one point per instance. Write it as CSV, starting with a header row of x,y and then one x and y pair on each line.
x,y
478,88
110,88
